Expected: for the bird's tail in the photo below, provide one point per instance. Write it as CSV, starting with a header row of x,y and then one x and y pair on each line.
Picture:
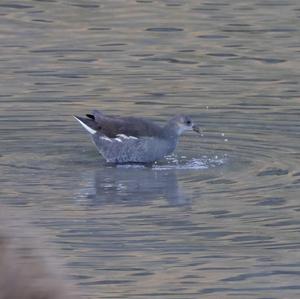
x,y
88,123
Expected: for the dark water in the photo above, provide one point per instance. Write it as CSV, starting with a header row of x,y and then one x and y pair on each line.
x,y
220,218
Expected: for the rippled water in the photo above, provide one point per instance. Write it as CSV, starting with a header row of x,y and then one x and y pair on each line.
x,y
220,218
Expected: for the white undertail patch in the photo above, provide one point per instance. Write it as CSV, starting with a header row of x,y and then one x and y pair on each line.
x,y
89,129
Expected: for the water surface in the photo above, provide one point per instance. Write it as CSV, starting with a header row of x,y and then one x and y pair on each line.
x,y
219,218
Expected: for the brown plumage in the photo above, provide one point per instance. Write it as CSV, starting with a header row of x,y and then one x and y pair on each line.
x,y
111,126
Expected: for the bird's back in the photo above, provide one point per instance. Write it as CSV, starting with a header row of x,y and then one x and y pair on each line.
x,y
111,126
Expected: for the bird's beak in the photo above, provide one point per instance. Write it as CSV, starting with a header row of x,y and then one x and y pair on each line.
x,y
196,128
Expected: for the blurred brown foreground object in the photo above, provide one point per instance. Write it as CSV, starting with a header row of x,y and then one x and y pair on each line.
x,y
25,273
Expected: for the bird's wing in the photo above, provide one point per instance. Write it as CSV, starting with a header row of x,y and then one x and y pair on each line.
x,y
112,126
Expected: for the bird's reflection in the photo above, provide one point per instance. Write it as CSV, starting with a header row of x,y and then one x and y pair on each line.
x,y
131,185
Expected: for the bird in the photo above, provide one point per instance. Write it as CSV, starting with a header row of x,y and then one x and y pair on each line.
x,y
125,140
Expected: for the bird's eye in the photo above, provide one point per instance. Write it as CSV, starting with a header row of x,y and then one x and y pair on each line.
x,y
188,122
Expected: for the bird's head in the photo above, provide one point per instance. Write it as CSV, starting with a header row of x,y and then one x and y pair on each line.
x,y
183,123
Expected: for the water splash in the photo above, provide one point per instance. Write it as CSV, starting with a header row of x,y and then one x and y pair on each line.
x,y
183,163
